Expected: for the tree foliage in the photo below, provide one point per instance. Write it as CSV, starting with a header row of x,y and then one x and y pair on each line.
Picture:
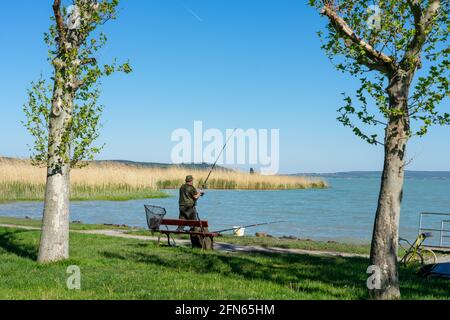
x,y
394,38
73,42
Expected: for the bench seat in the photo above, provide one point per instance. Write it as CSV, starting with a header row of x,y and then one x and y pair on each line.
x,y
206,234
206,237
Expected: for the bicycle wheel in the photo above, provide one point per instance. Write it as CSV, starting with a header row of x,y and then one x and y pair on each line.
x,y
429,257
412,258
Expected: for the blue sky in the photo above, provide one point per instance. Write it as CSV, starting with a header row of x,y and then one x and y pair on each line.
x,y
230,63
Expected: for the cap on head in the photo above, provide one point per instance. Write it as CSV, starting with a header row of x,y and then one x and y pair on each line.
x,y
189,179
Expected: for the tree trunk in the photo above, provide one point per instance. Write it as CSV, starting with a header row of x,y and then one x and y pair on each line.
x,y
384,251
54,245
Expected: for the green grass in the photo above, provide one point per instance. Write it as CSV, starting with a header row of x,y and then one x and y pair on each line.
x,y
20,191
115,268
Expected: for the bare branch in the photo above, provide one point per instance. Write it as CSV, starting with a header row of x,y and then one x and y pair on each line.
x,y
77,84
374,66
416,10
430,13
59,21
381,61
91,61
422,21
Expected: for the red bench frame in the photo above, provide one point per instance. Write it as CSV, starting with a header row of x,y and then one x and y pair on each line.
x,y
186,223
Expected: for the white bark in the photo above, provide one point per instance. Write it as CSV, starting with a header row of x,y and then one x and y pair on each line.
x,y
384,253
55,229
54,245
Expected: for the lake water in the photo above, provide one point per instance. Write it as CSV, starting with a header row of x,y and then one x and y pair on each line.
x,y
345,212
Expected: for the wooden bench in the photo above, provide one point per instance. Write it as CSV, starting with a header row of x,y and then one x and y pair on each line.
x,y
201,238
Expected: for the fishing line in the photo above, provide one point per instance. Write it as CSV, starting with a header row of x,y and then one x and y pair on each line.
x,y
251,226
207,179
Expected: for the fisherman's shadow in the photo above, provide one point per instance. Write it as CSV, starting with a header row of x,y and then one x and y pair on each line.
x,y
10,243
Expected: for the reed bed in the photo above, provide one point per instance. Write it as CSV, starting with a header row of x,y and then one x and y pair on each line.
x,y
20,181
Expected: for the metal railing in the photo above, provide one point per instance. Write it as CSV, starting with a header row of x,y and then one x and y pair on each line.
x,y
438,223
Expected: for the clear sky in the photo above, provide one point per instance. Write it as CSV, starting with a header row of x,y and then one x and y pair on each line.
x,y
230,63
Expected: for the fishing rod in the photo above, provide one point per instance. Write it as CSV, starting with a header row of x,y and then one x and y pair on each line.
x,y
218,158
250,226
209,175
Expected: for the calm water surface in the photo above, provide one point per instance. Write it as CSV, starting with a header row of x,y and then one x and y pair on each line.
x,y
345,212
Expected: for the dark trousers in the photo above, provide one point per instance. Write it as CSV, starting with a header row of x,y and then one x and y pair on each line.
x,y
188,213
198,241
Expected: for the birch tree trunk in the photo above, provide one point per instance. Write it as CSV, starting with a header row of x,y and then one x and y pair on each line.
x,y
54,245
73,42
384,250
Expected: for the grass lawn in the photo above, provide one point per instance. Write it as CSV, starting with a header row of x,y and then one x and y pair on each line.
x,y
114,268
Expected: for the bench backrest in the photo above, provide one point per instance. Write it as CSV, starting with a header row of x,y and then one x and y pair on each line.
x,y
184,223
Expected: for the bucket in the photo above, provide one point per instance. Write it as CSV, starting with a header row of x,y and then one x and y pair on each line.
x,y
239,231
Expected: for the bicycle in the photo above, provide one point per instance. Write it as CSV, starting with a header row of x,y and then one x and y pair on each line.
x,y
416,253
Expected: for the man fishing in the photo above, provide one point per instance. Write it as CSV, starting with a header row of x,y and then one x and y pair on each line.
x,y
189,195
188,201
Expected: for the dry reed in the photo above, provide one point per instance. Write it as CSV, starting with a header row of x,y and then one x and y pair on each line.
x,y
19,180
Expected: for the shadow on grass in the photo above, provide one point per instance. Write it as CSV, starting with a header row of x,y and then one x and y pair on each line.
x,y
322,276
11,242
334,276
413,286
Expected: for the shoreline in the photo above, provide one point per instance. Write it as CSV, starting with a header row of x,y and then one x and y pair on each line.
x,y
159,194
24,192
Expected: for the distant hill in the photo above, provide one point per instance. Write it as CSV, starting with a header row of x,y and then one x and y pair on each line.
x,y
377,174
191,166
